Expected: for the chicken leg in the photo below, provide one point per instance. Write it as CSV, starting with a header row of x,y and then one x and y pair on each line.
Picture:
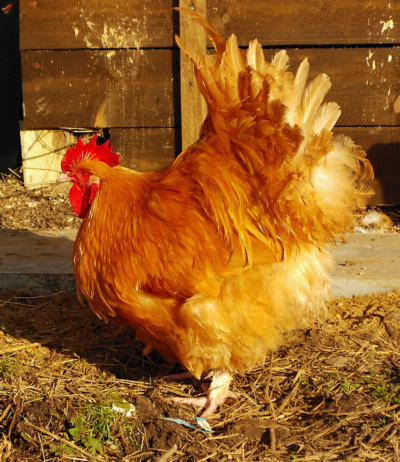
x,y
218,393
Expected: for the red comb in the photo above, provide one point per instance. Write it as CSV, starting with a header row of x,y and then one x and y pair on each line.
x,y
91,150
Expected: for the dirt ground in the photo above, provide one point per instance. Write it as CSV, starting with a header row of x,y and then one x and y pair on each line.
x,y
75,388
46,208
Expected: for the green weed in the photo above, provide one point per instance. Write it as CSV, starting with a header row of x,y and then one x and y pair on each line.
x,y
63,450
9,366
328,381
387,393
348,386
97,424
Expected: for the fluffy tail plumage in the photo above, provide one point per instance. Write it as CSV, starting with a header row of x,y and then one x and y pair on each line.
x,y
318,179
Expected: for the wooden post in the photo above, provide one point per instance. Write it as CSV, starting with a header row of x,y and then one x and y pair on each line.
x,y
42,151
193,107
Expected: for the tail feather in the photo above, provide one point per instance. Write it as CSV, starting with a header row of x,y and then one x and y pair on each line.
x,y
255,57
232,65
294,114
277,127
280,61
313,97
326,117
217,42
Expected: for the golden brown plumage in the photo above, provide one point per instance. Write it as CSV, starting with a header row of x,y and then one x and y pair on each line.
x,y
211,258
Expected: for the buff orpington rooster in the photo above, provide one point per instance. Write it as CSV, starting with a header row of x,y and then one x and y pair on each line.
x,y
212,258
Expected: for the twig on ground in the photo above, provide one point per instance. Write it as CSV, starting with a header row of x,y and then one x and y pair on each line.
x,y
168,454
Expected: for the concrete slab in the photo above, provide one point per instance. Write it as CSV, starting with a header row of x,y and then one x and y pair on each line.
x,y
367,263
36,261
40,262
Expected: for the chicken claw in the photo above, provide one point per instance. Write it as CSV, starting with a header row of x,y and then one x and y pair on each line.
x,y
218,393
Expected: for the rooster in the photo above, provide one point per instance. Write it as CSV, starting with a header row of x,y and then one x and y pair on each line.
x,y
213,257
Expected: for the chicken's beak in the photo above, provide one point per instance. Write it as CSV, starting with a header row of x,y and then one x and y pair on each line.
x,y
63,178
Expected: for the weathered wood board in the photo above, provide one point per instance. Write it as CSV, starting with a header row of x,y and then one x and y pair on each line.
x,y
147,149
311,22
365,81
60,24
130,88
97,88
108,24
193,106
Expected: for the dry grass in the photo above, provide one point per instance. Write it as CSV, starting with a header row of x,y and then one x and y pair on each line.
x,y
44,208
330,393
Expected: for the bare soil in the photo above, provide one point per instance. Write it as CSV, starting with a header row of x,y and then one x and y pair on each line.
x,y
331,392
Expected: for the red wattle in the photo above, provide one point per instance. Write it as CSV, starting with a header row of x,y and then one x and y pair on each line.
x,y
81,199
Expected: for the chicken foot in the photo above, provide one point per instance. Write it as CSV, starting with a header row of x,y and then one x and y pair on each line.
x,y
218,393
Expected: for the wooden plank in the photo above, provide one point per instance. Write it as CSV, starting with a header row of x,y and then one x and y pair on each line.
x,y
62,24
94,88
193,106
42,151
144,150
312,22
382,145
365,81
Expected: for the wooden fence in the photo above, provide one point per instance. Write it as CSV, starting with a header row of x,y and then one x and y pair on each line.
x,y
114,65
